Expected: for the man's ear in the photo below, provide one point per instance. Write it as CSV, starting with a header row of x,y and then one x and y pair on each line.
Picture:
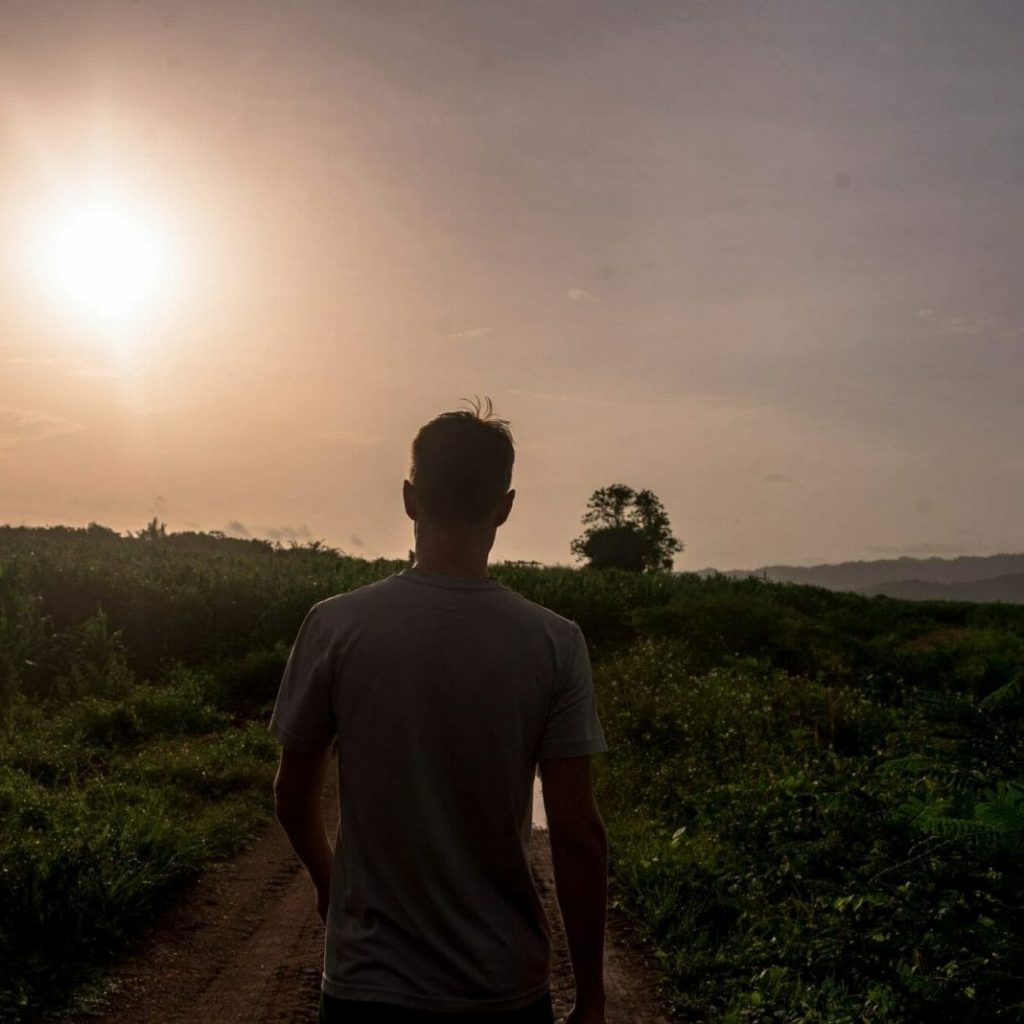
x,y
409,498
504,508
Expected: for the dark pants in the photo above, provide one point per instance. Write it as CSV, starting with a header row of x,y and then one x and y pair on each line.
x,y
349,1011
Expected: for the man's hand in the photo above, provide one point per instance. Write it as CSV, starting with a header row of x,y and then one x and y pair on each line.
x,y
298,790
589,1015
323,901
579,854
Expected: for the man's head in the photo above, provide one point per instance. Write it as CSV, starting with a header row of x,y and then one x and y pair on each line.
x,y
462,468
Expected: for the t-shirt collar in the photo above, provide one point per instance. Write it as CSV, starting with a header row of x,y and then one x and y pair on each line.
x,y
440,579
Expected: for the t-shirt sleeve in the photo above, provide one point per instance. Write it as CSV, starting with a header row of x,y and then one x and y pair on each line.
x,y
303,718
572,728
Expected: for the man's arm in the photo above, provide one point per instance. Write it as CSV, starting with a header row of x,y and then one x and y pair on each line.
x,y
298,791
579,853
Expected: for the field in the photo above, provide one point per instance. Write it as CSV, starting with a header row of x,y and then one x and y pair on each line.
x,y
815,800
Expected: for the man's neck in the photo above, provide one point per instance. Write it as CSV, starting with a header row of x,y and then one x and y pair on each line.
x,y
453,552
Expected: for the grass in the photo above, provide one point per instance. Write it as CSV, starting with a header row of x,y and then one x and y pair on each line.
x,y
108,807
815,800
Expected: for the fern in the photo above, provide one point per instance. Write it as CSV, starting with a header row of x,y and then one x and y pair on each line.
x,y
1002,808
913,764
1008,697
963,777
996,825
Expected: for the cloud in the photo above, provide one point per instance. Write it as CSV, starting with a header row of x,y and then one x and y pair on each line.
x,y
291,533
956,326
777,478
581,295
94,371
599,401
20,426
236,529
472,334
73,367
27,361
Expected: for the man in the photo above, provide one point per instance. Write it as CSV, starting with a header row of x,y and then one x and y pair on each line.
x,y
444,690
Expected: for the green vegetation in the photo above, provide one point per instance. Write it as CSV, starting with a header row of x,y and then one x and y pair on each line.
x,y
816,803
815,800
135,674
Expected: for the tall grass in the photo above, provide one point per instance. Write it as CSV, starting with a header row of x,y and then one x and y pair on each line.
x,y
814,799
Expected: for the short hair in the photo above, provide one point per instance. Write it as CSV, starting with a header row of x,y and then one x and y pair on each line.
x,y
462,463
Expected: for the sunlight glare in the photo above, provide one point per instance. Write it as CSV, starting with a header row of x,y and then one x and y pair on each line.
x,y
107,262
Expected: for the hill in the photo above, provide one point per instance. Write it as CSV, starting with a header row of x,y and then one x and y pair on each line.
x,y
919,579
1003,588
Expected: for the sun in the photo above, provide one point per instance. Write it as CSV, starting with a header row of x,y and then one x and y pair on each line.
x,y
106,261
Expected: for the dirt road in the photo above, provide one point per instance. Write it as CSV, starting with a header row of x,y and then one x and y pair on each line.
x,y
245,945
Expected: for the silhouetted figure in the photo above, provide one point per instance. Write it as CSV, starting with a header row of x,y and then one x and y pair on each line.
x,y
445,690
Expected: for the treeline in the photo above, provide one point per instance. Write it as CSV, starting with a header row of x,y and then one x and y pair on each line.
x,y
814,798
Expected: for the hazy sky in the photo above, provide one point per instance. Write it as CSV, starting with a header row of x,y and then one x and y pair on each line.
x,y
764,258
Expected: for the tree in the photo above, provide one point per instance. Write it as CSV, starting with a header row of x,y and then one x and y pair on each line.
x,y
154,530
626,529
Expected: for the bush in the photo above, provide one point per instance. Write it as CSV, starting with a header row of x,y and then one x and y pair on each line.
x,y
762,834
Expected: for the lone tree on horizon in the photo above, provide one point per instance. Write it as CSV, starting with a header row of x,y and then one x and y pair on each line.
x,y
626,529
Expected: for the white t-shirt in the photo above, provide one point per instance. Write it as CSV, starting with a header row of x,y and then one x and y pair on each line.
x,y
443,693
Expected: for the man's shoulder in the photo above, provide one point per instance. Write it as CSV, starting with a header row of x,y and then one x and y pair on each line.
x,y
349,600
379,598
539,612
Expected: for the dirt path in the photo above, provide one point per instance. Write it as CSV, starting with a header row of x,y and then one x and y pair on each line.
x,y
245,945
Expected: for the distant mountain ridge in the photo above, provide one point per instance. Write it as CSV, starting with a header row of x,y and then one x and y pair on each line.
x,y
969,578
1009,589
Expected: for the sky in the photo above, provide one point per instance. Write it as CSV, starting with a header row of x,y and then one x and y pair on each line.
x,y
763,258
